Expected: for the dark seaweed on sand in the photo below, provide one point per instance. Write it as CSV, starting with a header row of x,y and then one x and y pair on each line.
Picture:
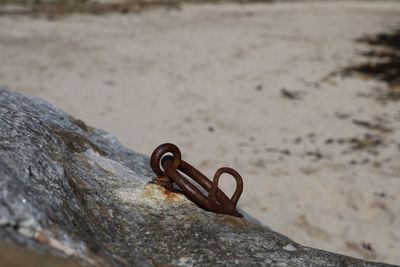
x,y
382,64
383,57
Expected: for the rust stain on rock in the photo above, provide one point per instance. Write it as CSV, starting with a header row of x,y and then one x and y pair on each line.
x,y
171,196
159,193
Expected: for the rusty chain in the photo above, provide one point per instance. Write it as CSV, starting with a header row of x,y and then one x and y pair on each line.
x,y
168,156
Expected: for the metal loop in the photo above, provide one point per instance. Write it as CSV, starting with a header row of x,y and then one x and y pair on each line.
x,y
224,205
216,201
239,184
159,153
204,182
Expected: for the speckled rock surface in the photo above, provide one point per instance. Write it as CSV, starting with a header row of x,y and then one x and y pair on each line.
x,y
76,191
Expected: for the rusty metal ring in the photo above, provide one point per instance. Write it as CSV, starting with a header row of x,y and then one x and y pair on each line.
x,y
239,184
159,153
204,182
172,169
226,206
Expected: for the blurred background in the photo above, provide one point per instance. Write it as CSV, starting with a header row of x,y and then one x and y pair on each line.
x,y
300,97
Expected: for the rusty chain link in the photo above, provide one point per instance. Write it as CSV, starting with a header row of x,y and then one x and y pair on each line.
x,y
168,156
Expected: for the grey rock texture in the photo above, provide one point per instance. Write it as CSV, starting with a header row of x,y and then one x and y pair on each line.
x,y
76,191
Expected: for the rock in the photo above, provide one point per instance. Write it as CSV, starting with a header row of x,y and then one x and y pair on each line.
x,y
75,191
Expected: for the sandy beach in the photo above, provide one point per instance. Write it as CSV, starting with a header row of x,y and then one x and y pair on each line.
x,y
256,87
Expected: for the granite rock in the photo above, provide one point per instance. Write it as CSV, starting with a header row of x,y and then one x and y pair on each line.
x,y
72,190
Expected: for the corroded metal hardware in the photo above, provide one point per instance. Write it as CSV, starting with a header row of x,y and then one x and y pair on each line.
x,y
166,162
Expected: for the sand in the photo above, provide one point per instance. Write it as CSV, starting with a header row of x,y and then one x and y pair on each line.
x,y
212,79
